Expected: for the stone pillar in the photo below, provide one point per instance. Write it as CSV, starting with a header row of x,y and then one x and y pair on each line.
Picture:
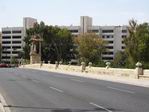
x,y
108,65
83,66
60,63
49,62
90,64
69,64
56,64
139,70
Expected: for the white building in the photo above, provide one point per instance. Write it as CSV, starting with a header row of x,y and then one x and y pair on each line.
x,y
12,37
0,38
113,35
12,40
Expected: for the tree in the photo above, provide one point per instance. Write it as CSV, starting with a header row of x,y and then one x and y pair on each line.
x,y
120,59
90,47
131,43
142,34
137,44
56,43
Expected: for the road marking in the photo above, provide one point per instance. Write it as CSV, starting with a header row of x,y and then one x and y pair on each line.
x,y
56,89
100,107
122,90
76,80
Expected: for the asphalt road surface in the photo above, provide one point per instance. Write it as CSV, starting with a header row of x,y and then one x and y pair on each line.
x,y
38,91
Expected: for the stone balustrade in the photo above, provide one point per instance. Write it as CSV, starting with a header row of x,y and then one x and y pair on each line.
x,y
118,72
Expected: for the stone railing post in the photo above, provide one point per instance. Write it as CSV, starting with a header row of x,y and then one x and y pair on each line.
x,y
139,70
90,64
60,63
108,65
69,63
56,64
83,66
49,62
41,64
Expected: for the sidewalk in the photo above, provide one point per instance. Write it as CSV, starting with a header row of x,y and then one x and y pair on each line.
x,y
136,82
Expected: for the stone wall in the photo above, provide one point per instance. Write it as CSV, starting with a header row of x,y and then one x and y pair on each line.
x,y
130,73
146,72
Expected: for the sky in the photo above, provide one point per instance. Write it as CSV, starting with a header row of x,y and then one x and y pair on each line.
x,y
68,12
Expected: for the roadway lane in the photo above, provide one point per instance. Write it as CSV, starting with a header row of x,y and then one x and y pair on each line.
x,y
37,91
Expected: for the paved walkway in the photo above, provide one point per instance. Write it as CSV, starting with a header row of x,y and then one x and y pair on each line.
x,y
137,82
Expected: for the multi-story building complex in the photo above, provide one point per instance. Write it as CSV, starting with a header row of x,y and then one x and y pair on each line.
x,y
12,40
12,37
0,37
113,35
0,45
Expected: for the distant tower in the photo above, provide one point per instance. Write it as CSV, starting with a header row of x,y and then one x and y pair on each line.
x,y
85,23
29,22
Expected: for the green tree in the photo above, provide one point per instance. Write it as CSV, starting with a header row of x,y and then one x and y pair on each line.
x,y
14,61
120,59
56,43
137,44
132,44
90,47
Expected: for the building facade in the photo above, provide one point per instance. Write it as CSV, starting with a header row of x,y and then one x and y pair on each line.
x,y
12,40
0,45
12,37
113,35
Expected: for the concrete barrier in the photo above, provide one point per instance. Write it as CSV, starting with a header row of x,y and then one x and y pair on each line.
x,y
118,72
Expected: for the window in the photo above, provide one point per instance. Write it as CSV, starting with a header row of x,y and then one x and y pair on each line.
x,y
107,58
5,57
107,31
109,47
73,31
15,52
17,31
107,53
6,32
108,36
123,47
124,31
124,36
103,36
6,47
6,52
16,47
16,37
95,31
16,42
122,42
6,42
110,42
6,37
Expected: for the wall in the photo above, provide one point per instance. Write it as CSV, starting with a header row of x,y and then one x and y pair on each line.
x,y
130,73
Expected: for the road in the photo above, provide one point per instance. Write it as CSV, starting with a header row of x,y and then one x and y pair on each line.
x,y
37,91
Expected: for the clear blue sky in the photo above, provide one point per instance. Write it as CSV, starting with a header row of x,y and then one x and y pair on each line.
x,y
67,12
